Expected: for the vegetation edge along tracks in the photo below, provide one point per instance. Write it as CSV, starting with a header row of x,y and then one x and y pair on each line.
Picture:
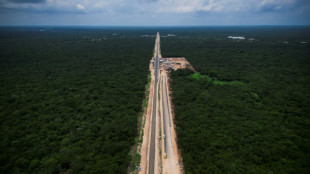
x,y
136,151
69,104
259,127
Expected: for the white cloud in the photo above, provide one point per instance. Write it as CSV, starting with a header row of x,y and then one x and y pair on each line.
x,y
217,6
80,7
135,6
274,5
184,6
151,6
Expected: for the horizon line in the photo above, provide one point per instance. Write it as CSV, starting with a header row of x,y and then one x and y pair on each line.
x,y
154,26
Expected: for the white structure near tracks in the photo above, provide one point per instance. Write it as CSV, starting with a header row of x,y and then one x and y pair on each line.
x,y
236,37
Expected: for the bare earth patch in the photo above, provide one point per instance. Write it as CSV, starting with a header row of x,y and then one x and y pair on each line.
x,y
172,63
145,142
161,165
176,63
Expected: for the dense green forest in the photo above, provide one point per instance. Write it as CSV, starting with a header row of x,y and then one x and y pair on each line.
x,y
70,98
246,109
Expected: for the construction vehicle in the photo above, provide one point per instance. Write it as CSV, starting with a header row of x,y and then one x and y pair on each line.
x,y
165,156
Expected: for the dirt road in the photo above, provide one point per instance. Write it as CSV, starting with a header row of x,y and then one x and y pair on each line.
x,y
171,163
152,148
159,124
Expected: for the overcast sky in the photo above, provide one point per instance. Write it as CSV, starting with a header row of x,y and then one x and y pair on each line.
x,y
154,12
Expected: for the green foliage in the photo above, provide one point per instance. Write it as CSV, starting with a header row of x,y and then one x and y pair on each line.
x,y
136,155
234,82
70,105
261,126
199,76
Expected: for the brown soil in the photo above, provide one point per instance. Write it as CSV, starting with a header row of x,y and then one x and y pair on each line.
x,y
176,150
145,142
174,63
161,164
177,63
147,126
